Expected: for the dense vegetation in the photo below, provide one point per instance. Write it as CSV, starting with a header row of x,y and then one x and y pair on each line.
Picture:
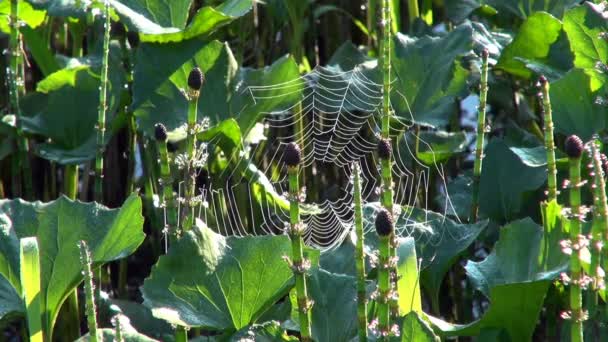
x,y
310,170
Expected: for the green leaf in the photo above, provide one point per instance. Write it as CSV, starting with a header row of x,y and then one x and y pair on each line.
x,y
435,146
461,9
574,100
141,318
514,278
129,334
234,282
27,14
414,329
162,70
507,174
334,314
532,42
110,233
64,109
439,242
165,21
408,284
584,26
64,8
429,75
267,332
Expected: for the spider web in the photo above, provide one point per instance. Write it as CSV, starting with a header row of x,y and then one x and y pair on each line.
x,y
338,114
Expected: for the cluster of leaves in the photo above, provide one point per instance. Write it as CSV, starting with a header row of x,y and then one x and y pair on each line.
x,y
233,288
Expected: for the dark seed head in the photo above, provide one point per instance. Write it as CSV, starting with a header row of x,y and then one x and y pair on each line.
x,y
195,79
292,155
574,146
384,223
133,39
160,132
485,53
542,80
384,148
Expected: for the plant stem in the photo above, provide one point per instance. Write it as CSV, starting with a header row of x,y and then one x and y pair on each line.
x,y
85,260
167,194
117,329
70,181
427,11
181,335
576,297
372,5
481,128
384,285
413,11
600,215
549,144
188,212
24,170
298,259
360,256
386,163
70,321
101,115
30,282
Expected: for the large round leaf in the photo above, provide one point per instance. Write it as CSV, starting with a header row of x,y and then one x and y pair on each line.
x,y
515,277
64,109
59,225
164,21
216,282
429,75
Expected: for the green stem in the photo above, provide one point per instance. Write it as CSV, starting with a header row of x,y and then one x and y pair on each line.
x,y
70,321
413,10
167,194
101,115
427,11
188,212
481,128
298,259
85,260
360,256
181,335
600,215
549,144
576,274
117,329
70,181
386,163
30,282
384,285
372,5
24,169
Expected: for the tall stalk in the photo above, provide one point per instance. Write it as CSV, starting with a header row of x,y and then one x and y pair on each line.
x,y
117,328
386,160
69,324
168,200
101,114
385,229
23,171
300,265
549,143
574,148
195,82
481,129
181,335
29,256
599,230
85,260
359,255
